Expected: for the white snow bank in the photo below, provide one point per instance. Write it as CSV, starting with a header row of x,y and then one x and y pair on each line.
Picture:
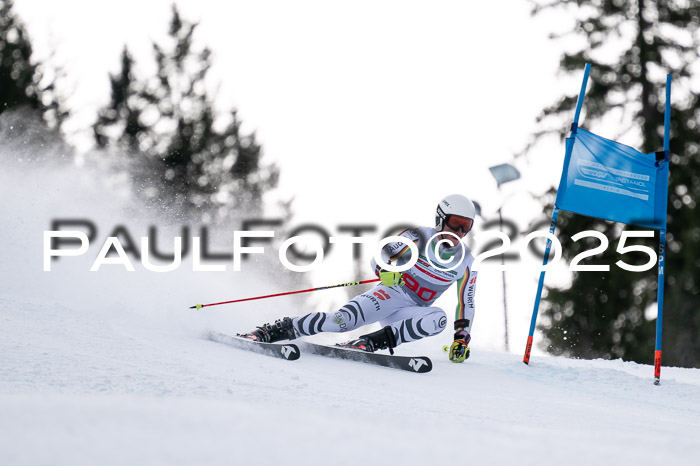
x,y
93,387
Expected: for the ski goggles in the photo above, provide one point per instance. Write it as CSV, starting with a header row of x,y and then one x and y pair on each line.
x,y
456,224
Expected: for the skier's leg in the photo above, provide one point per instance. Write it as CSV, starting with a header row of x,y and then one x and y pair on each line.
x,y
406,324
364,309
367,308
414,323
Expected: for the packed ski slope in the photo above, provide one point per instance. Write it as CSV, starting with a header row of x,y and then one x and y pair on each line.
x,y
111,368
99,387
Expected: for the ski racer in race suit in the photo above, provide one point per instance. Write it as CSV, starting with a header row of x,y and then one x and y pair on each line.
x,y
403,302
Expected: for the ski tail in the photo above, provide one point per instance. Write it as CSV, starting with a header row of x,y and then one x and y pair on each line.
x,y
287,351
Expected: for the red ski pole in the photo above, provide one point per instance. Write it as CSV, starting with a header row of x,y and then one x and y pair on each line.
x,y
200,306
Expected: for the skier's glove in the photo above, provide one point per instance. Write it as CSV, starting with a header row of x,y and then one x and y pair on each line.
x,y
459,351
391,278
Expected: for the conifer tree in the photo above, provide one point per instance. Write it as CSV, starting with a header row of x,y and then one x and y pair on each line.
x,y
184,155
22,81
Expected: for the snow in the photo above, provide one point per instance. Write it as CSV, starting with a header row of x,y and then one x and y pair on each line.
x,y
102,387
111,367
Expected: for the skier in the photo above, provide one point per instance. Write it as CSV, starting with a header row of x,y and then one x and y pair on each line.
x,y
403,302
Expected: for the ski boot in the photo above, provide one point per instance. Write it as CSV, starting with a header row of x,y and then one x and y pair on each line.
x,y
381,339
282,329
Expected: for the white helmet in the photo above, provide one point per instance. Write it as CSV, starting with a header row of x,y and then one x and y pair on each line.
x,y
454,204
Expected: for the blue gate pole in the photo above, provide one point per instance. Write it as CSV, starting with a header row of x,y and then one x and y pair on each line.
x,y
540,285
662,245
555,213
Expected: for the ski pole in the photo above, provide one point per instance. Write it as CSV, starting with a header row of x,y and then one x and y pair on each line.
x,y
200,306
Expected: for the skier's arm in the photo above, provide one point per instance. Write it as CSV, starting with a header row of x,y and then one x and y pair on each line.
x,y
391,254
464,315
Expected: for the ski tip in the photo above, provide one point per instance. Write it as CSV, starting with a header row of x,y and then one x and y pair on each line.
x,y
420,364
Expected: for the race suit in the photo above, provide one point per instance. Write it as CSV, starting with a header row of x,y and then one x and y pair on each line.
x,y
408,309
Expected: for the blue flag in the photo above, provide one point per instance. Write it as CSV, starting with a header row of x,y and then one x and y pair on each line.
x,y
612,181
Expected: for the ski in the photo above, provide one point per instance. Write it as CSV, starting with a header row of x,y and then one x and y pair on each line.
x,y
278,350
407,363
